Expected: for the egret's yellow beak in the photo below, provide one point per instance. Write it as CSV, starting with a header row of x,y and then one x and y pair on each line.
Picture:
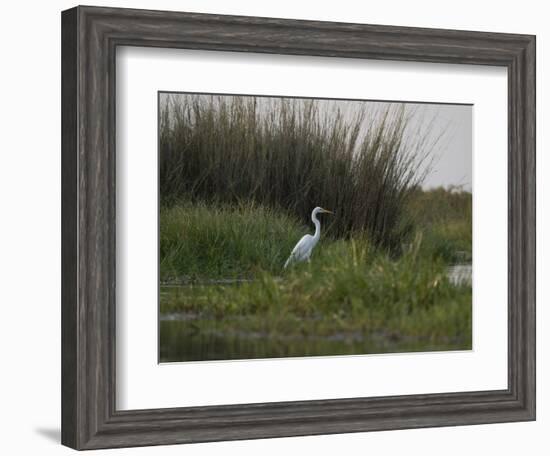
x,y
326,212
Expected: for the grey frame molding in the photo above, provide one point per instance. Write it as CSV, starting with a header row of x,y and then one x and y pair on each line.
x,y
90,36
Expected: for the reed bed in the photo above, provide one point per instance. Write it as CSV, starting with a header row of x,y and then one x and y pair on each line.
x,y
295,154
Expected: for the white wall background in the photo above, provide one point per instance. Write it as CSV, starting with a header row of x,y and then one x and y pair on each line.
x,y
30,229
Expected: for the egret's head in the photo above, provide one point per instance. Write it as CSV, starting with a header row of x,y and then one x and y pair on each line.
x,y
320,210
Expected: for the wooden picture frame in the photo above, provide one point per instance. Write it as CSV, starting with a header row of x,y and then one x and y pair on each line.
x,y
90,36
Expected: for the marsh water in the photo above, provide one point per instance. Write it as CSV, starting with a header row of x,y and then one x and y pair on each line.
x,y
192,337
182,340
459,274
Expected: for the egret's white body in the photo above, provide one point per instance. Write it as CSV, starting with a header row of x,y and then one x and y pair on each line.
x,y
302,250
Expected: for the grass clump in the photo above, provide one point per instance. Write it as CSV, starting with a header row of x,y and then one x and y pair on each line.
x,y
198,241
349,287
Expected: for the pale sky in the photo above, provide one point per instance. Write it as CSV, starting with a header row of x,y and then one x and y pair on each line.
x,y
452,155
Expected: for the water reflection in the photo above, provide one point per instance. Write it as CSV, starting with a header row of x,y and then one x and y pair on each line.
x,y
182,340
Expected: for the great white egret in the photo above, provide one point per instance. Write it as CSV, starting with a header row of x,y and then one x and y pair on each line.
x,y
302,250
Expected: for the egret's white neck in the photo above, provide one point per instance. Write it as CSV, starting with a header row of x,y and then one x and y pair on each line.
x,y
317,224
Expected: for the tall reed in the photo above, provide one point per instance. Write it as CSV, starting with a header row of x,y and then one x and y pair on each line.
x,y
293,155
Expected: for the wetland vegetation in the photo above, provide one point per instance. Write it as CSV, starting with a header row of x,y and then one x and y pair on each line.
x,y
239,177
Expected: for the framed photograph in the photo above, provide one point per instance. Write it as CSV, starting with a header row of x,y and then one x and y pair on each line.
x,y
279,228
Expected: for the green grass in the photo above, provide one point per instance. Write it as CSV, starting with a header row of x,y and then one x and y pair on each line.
x,y
198,241
444,216
204,241
411,297
350,285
